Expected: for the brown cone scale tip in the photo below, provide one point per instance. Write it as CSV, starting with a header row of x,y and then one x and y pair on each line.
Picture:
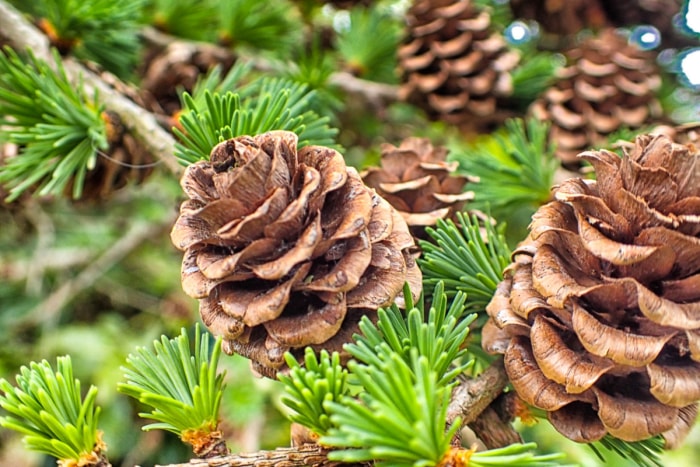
x,y
417,180
598,316
287,248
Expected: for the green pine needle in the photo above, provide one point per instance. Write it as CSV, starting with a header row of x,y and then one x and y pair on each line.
x,y
58,129
399,419
46,407
464,260
263,105
270,26
516,455
308,387
535,73
103,31
439,339
515,166
368,45
190,19
643,453
183,390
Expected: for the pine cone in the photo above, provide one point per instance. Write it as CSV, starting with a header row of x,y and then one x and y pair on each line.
x,y
176,68
607,85
418,182
453,65
599,314
287,249
562,17
125,162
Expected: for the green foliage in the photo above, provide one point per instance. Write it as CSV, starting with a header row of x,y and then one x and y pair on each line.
x,y
270,26
368,45
534,74
643,453
263,105
399,419
308,387
515,167
516,455
215,82
313,67
103,31
464,260
439,339
184,390
58,129
189,19
46,407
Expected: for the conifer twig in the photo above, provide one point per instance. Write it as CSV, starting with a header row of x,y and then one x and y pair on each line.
x,y
372,91
22,35
133,238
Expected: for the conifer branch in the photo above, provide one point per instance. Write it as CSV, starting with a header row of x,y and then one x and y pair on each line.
x,y
371,91
22,35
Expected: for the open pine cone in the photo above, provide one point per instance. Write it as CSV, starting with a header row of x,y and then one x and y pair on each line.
x,y
599,314
608,84
453,65
416,179
287,249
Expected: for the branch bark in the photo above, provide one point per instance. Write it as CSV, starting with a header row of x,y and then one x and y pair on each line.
x,y
22,35
306,455
470,399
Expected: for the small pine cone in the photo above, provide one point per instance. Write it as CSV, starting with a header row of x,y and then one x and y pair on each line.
x,y
175,68
599,314
608,84
419,183
561,17
287,249
125,162
453,66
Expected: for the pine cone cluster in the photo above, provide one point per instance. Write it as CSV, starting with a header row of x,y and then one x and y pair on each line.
x,y
608,84
287,249
416,179
599,313
453,65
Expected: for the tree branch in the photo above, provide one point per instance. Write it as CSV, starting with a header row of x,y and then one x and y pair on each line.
x,y
371,91
22,35
305,455
471,396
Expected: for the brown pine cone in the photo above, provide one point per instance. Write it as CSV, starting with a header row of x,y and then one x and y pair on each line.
x,y
287,249
607,85
125,162
416,179
453,65
176,68
563,17
599,314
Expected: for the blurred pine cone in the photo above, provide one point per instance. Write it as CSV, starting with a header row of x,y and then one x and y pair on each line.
x,y
599,314
453,66
416,179
607,85
177,68
562,17
125,162
287,249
